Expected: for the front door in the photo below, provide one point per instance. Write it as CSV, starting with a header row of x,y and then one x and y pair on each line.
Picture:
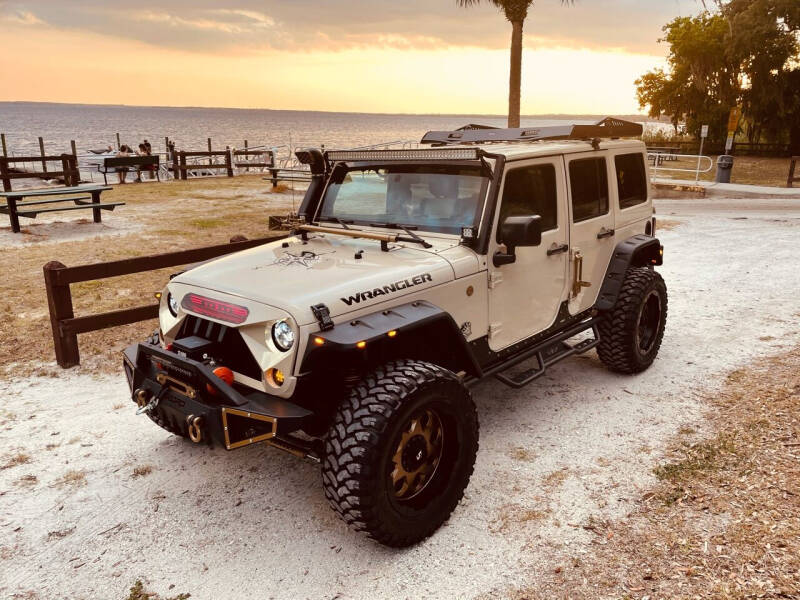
x,y
524,296
592,237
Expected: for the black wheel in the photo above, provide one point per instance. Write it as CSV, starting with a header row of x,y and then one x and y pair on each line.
x,y
631,333
400,452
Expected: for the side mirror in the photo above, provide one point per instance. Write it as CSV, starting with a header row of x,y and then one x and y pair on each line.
x,y
518,231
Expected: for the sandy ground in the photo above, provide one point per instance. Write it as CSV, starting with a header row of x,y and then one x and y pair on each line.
x,y
77,521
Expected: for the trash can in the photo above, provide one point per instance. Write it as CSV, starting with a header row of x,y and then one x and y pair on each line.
x,y
724,167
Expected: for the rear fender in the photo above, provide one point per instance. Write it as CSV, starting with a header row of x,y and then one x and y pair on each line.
x,y
637,251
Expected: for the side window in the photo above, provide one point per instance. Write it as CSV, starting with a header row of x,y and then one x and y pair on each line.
x,y
531,191
631,179
588,181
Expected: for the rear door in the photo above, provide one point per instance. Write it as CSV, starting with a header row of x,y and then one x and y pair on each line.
x,y
524,296
591,226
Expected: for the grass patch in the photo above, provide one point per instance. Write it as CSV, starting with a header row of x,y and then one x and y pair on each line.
x,y
137,592
20,458
728,523
142,471
751,170
71,478
208,223
515,515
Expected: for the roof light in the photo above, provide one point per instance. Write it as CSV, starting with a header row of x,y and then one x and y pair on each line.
x,y
392,333
319,341
361,345
416,154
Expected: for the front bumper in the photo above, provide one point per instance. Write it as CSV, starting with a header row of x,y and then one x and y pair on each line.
x,y
198,404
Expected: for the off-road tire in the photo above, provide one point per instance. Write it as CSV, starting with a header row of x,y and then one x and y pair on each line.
x,y
361,442
622,330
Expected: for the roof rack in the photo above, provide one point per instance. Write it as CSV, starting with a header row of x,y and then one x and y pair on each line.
x,y
477,134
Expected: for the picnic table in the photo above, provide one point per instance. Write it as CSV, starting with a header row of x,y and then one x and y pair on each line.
x,y
82,197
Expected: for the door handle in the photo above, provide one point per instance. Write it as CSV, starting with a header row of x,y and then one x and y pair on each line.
x,y
556,249
604,233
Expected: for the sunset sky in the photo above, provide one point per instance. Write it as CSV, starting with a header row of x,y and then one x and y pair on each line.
x,y
416,56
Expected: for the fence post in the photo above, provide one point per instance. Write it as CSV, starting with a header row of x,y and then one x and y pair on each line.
x,y
184,172
229,162
66,169
41,149
119,145
792,166
3,141
59,300
272,170
210,158
4,174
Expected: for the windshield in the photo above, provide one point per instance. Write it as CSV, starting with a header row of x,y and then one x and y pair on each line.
x,y
428,197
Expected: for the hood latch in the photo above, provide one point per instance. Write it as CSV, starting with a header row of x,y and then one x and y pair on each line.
x,y
323,315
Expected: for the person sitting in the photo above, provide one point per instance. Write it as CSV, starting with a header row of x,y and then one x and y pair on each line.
x,y
122,172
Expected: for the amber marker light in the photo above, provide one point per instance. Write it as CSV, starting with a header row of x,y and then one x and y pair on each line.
x,y
157,295
392,333
275,377
319,341
361,345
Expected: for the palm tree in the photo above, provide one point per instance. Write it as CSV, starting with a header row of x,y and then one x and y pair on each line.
x,y
515,11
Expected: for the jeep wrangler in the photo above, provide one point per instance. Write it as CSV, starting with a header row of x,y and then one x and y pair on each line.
x,y
410,275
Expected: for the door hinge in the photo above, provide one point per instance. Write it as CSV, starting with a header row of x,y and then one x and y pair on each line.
x,y
494,329
495,279
577,274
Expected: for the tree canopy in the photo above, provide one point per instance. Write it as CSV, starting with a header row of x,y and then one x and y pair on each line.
x,y
745,52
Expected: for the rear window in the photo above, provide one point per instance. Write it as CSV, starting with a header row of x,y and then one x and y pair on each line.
x,y
631,179
588,181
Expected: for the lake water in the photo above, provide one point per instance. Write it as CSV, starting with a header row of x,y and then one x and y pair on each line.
x,y
93,126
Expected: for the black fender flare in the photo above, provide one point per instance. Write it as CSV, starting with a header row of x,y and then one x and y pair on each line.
x,y
415,326
637,251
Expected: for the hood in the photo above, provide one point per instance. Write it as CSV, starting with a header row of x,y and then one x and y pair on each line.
x,y
294,275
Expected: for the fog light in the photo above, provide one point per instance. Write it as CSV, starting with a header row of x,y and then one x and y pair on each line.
x,y
275,377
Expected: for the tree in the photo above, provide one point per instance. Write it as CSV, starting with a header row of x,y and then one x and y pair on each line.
x,y
516,11
745,52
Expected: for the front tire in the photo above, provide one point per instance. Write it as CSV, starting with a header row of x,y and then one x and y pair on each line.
x,y
400,452
631,333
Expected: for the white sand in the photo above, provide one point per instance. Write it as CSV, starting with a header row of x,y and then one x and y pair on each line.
x,y
254,523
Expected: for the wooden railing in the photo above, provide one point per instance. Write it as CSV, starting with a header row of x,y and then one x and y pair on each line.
x,y
68,173
58,277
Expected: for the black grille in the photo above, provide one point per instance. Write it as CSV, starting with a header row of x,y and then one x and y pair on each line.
x,y
228,347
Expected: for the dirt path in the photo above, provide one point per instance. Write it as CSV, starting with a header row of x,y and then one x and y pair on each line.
x,y
82,516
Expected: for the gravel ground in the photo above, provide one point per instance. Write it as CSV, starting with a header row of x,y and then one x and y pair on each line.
x,y
93,498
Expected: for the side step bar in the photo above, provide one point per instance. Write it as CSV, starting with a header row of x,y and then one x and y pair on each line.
x,y
547,353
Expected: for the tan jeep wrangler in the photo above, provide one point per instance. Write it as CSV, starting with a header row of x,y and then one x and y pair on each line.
x,y
411,275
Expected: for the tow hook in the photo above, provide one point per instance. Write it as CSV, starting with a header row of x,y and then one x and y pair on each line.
x,y
141,396
195,431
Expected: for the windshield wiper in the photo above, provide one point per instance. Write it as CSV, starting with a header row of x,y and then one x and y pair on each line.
x,y
412,237
341,222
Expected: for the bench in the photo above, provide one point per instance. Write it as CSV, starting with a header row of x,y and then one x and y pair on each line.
x,y
657,155
82,197
113,163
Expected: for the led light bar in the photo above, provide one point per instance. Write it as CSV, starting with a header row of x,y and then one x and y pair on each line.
x,y
417,154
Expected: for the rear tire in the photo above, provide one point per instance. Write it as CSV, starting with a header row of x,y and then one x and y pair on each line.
x,y
631,333
400,452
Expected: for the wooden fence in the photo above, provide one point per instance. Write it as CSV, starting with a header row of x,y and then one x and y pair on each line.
x,y
792,165
58,277
68,174
181,168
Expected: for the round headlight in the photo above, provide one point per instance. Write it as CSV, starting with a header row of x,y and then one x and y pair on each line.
x,y
172,304
282,335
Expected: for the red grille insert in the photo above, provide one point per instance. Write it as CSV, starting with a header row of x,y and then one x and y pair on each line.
x,y
216,309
